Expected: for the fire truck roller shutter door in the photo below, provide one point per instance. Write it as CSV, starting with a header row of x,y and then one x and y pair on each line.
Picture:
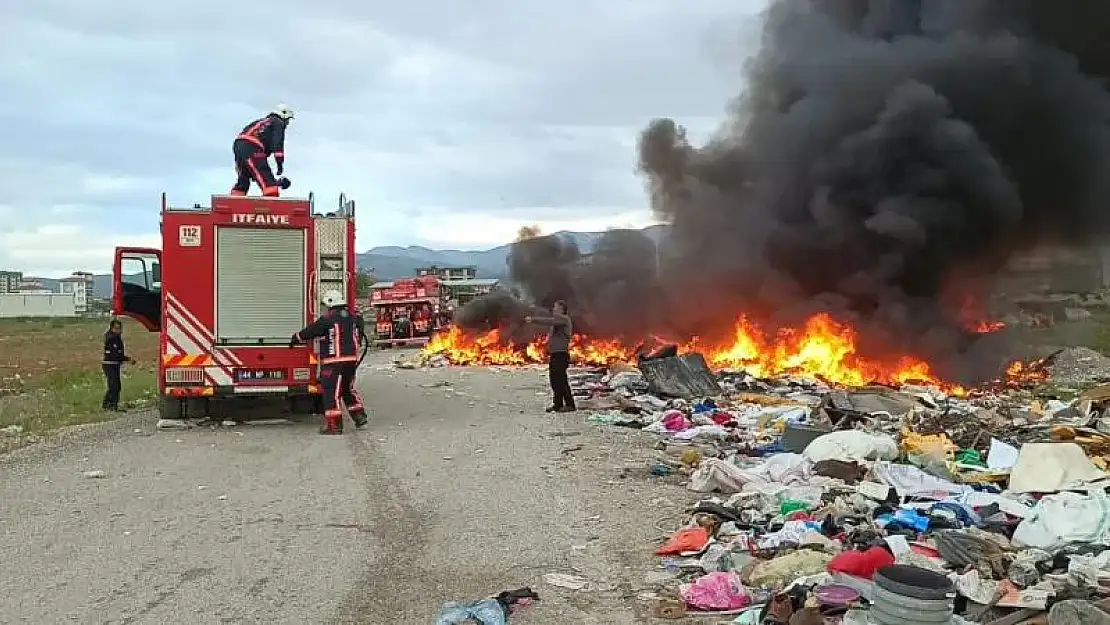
x,y
261,284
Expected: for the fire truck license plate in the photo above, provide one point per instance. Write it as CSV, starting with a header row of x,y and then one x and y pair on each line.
x,y
269,375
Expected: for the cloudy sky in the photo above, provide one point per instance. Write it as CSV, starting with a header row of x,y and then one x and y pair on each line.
x,y
451,123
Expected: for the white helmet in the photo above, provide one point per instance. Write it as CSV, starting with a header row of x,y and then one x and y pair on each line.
x,y
283,112
333,297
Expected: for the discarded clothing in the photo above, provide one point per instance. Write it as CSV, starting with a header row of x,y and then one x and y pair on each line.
x,y
861,564
716,591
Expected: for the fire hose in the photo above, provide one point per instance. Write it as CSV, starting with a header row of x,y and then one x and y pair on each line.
x,y
362,339
365,348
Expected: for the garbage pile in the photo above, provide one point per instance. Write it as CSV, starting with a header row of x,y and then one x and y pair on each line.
x,y
872,505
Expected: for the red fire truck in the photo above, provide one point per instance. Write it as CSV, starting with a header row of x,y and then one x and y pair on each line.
x,y
406,311
231,283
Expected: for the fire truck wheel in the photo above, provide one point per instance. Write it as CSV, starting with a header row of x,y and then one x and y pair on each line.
x,y
170,408
305,405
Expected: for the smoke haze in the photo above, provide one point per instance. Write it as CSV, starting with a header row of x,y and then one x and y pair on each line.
x,y
885,158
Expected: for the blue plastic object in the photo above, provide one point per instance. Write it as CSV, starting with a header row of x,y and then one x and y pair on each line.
x,y
907,518
485,612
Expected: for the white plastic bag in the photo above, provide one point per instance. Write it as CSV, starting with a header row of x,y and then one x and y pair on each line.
x,y
1064,519
851,446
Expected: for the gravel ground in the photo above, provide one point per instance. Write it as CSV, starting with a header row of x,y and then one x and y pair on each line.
x,y
461,487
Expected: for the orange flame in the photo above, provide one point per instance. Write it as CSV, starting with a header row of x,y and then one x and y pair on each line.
x,y
975,319
1020,373
821,348
986,327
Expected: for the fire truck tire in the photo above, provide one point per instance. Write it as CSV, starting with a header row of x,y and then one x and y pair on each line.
x,y
170,408
306,405
196,408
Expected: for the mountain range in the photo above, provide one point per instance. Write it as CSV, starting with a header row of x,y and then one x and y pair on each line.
x,y
390,262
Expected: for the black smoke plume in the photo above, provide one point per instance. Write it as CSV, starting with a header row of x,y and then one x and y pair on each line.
x,y
884,160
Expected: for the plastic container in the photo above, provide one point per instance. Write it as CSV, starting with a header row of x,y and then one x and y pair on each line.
x,y
836,595
908,595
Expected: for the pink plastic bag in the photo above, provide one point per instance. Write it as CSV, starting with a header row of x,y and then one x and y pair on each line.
x,y
719,591
675,421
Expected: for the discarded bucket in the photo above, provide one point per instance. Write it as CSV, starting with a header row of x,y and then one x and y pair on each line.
x,y
909,595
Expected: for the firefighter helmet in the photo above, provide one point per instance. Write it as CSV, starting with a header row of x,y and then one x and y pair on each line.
x,y
333,297
283,112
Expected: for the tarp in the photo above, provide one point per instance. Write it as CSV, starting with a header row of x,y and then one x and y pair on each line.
x,y
685,376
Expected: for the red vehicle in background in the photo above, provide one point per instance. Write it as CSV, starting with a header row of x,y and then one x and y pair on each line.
x,y
407,311
229,286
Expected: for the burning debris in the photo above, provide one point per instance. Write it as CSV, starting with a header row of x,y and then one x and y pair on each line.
x,y
883,162
821,349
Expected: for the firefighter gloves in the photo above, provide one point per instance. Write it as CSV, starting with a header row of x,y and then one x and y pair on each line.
x,y
293,341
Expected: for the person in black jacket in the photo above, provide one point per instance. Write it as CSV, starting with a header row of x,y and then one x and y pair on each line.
x,y
340,332
114,357
253,147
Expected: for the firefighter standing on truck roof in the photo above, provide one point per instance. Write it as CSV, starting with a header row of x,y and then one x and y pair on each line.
x,y
340,334
254,145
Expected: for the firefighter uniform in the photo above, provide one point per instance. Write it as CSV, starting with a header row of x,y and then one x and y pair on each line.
x,y
340,337
252,149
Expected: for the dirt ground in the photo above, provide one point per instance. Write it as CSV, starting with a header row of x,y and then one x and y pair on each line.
x,y
460,488
41,349
51,376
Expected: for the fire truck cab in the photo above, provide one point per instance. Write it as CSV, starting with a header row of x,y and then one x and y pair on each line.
x,y
230,285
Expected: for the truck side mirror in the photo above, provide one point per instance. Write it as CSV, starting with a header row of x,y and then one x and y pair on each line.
x,y
156,273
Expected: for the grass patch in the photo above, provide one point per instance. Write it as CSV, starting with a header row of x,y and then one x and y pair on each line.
x,y
51,370
74,400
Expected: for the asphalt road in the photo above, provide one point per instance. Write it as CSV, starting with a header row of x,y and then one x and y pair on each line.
x,y
461,487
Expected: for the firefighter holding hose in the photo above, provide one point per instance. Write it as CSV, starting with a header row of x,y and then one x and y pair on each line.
x,y
340,333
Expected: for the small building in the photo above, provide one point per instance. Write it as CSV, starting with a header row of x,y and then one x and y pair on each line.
x,y
33,286
37,305
80,284
449,274
462,291
10,281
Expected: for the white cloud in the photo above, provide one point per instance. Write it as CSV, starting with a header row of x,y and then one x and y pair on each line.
x,y
56,250
449,128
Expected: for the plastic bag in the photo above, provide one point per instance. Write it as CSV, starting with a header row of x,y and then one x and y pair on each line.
x,y
691,539
1066,518
851,445
485,612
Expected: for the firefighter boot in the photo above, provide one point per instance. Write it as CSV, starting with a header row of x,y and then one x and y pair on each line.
x,y
333,424
360,418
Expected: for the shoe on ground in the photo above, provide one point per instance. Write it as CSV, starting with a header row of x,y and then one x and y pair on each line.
x,y
330,431
552,409
361,423
567,409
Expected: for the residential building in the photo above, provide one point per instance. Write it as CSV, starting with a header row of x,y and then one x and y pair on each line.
x,y
448,274
33,286
10,280
80,284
